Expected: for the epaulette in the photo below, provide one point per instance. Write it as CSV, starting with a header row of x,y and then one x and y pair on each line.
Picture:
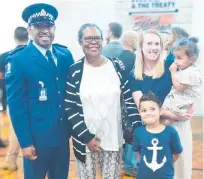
x,y
59,45
16,50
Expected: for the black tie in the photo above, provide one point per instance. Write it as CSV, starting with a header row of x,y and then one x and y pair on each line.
x,y
51,60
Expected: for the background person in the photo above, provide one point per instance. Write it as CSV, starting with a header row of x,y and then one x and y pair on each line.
x,y
21,40
174,34
113,48
129,42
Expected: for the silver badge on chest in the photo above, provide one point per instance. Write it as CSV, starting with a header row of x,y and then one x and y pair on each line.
x,y
8,69
43,92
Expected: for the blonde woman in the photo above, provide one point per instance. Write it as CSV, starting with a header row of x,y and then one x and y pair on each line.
x,y
151,72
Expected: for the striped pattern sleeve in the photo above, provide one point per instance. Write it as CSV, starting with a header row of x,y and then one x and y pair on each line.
x,y
73,109
129,102
130,105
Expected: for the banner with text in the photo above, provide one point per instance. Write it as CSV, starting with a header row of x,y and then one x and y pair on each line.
x,y
158,14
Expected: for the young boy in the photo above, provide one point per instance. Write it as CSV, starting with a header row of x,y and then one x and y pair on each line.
x,y
157,146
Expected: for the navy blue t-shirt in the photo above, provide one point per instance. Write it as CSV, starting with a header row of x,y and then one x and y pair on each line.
x,y
158,164
160,86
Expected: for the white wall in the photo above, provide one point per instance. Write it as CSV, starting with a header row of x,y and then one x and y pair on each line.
x,y
10,18
74,13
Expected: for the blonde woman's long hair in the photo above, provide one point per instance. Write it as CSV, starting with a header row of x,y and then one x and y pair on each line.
x,y
139,63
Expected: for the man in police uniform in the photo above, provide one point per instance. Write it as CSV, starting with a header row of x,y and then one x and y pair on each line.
x,y
21,39
35,84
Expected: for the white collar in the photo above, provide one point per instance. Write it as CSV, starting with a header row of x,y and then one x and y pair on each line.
x,y
42,50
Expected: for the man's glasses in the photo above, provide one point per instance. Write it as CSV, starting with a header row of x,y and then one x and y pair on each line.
x,y
89,39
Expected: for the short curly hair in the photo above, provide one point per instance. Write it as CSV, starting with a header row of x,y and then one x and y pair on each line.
x,y
150,96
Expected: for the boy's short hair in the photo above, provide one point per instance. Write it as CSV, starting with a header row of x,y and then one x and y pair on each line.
x,y
150,96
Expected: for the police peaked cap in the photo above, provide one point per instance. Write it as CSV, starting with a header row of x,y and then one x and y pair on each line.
x,y
40,13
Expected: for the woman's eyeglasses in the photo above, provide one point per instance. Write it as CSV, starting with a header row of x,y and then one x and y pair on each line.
x,y
89,39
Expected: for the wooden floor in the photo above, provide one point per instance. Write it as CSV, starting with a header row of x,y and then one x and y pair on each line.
x,y
197,127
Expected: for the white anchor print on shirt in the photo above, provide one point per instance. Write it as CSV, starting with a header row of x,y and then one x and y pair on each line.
x,y
154,165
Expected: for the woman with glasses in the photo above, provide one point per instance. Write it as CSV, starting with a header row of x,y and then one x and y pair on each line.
x,y
93,105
